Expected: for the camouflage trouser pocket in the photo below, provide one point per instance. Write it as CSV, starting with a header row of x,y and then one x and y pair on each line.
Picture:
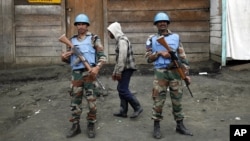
x,y
89,78
155,93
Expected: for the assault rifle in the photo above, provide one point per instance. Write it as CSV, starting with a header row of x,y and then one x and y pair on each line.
x,y
66,41
174,58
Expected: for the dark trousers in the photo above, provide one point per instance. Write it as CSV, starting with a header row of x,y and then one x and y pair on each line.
x,y
123,85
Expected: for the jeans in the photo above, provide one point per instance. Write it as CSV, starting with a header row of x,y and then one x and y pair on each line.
x,y
123,85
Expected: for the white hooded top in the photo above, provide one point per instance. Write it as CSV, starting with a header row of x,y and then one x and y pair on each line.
x,y
124,53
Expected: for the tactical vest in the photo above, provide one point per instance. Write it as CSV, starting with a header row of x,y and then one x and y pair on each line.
x,y
173,42
87,50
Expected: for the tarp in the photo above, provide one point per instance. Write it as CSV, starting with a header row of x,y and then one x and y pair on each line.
x,y
238,29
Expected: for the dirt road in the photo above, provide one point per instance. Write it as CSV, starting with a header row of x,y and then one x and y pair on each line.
x,y
35,106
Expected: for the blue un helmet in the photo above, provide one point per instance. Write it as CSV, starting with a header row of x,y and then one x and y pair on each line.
x,y
81,18
161,16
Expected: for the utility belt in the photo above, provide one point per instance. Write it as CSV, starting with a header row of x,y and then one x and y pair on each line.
x,y
83,69
167,69
80,70
84,72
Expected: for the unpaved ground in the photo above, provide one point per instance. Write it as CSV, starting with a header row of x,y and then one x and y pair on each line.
x,y
35,106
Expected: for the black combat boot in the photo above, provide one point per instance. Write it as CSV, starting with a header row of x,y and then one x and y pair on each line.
x,y
75,129
180,128
123,109
157,132
91,130
136,106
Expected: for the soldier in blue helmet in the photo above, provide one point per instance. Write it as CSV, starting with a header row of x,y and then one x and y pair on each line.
x,y
82,83
165,74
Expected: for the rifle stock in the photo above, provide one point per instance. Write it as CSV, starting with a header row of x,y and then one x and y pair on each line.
x,y
162,41
66,41
174,58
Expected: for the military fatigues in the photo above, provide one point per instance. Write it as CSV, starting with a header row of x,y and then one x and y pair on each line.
x,y
81,83
82,87
166,76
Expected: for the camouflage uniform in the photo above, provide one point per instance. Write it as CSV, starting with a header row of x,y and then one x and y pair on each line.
x,y
82,85
166,76
166,72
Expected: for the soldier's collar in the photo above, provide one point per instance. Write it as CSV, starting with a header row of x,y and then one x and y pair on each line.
x,y
169,33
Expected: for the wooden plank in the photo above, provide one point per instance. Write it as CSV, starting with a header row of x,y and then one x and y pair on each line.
x,y
105,32
216,27
198,57
215,34
37,42
215,20
38,60
190,26
26,22
215,58
215,7
38,33
215,49
148,16
8,36
140,59
147,27
37,18
38,9
196,47
1,35
38,51
139,5
189,48
197,37
215,40
38,28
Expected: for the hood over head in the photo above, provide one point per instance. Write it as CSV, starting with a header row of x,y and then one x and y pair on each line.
x,y
115,29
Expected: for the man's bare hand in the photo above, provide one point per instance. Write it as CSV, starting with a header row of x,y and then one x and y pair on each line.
x,y
65,56
164,54
116,77
94,71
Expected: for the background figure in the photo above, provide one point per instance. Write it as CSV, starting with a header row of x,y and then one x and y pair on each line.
x,y
165,73
123,70
82,85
